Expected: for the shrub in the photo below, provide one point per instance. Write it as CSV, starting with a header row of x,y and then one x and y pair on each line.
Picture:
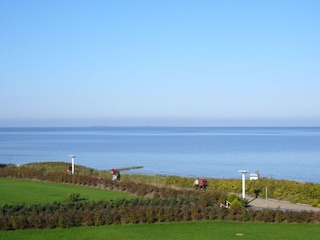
x,y
232,197
73,197
236,203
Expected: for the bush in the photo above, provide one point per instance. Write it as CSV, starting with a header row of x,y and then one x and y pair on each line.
x,y
73,197
236,203
232,197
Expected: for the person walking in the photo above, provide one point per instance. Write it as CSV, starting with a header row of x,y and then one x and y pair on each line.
x,y
196,183
114,174
202,183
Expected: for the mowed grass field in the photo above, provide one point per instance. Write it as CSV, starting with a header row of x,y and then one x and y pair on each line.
x,y
17,191
186,230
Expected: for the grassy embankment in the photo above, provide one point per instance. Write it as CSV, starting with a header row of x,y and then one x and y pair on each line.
x,y
286,190
17,192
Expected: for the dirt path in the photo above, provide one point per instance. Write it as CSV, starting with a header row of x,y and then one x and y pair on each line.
x,y
260,203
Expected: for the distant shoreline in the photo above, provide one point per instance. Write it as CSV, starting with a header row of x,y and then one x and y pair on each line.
x,y
214,152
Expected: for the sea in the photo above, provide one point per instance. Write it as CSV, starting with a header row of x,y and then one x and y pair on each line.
x,y
291,153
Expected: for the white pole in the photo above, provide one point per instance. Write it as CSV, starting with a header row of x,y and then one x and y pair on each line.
x,y
243,172
243,186
267,196
72,163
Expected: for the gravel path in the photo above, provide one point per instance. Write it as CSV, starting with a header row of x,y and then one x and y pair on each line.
x,y
260,203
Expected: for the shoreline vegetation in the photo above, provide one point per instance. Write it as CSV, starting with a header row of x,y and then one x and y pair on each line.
x,y
285,190
155,199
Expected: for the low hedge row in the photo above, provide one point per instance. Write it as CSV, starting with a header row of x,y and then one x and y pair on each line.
x,y
135,211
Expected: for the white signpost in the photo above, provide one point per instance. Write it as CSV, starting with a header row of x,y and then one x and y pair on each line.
x,y
72,163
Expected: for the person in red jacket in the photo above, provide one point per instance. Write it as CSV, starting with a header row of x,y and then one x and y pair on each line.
x,y
203,183
114,174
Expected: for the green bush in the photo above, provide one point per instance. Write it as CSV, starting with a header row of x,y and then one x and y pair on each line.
x,y
73,197
232,197
236,203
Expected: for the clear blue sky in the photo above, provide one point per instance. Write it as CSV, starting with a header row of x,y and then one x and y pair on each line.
x,y
197,63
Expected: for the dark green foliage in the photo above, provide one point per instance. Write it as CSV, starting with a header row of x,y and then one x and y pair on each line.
x,y
139,210
256,191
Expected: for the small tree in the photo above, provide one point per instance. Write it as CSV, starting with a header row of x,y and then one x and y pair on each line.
x,y
257,191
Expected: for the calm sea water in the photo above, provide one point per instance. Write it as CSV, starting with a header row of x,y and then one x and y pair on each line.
x,y
280,153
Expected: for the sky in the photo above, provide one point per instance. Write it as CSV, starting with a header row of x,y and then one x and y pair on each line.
x,y
159,63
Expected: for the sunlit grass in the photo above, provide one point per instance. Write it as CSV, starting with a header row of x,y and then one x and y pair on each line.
x,y
17,191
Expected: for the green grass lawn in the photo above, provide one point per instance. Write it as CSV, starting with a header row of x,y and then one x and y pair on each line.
x,y
186,230
17,191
